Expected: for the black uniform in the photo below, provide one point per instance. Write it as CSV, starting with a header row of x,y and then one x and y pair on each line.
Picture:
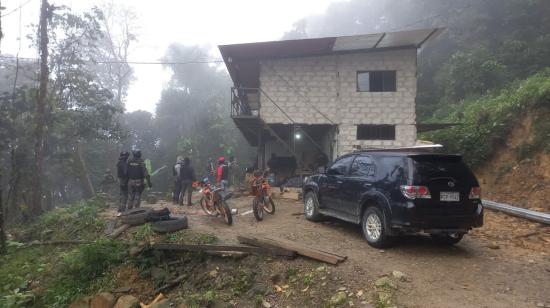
x,y
136,172
123,182
187,176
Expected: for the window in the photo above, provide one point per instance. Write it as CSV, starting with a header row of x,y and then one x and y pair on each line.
x,y
376,81
340,167
362,166
375,132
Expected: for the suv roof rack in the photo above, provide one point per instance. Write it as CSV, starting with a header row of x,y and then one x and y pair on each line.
x,y
415,147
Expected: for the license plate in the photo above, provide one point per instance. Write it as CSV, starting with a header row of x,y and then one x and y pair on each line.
x,y
449,196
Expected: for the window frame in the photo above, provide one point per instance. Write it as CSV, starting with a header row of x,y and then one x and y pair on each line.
x,y
393,89
380,133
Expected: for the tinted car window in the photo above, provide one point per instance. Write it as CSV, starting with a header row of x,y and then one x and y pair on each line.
x,y
362,166
392,169
430,167
340,167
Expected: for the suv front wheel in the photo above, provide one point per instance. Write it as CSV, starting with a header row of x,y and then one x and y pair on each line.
x,y
374,227
311,207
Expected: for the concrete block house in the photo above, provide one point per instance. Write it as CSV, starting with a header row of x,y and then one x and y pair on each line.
x,y
315,99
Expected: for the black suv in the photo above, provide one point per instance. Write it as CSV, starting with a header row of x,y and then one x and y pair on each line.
x,y
392,192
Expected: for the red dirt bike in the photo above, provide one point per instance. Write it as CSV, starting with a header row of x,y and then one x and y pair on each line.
x,y
262,196
213,201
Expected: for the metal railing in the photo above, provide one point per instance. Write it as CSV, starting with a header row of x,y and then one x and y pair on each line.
x,y
245,102
543,218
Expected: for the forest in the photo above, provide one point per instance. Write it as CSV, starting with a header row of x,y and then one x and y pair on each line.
x,y
62,131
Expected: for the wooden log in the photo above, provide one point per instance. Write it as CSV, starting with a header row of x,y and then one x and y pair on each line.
x,y
292,243
226,248
119,231
293,246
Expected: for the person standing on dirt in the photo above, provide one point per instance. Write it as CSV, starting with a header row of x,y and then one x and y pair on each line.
x,y
177,183
137,173
187,177
122,180
222,174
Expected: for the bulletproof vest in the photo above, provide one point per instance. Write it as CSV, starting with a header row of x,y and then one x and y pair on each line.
x,y
121,168
135,169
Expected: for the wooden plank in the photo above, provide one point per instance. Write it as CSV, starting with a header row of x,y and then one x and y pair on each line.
x,y
119,231
289,243
257,242
228,248
293,246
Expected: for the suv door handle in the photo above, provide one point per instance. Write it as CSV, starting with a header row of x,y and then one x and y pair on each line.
x,y
339,182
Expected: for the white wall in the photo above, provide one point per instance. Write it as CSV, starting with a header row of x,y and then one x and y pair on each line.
x,y
329,84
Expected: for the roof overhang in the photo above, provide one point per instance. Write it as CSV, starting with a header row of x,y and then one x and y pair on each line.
x,y
243,60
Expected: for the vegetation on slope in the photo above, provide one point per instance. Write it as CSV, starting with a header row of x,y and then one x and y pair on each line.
x,y
487,120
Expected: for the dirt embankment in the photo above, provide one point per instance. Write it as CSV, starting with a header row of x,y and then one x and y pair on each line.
x,y
524,183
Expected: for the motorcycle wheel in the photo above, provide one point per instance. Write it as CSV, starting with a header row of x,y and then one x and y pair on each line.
x,y
269,206
258,209
208,207
226,213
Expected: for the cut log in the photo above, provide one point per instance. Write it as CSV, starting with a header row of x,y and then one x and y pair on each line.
x,y
303,250
225,248
119,231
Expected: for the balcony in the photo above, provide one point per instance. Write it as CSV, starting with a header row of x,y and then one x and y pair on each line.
x,y
245,102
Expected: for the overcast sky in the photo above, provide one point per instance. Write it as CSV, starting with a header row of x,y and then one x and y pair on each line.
x,y
190,22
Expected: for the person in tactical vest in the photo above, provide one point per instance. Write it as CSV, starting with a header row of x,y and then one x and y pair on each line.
x,y
122,180
187,177
136,174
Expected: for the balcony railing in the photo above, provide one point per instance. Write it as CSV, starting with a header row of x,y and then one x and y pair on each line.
x,y
245,102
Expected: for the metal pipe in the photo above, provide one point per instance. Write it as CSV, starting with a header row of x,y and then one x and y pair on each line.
x,y
540,217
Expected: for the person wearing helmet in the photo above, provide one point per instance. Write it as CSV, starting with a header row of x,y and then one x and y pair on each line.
x,y
222,174
137,173
122,180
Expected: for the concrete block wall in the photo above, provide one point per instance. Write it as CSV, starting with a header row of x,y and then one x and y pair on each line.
x,y
329,83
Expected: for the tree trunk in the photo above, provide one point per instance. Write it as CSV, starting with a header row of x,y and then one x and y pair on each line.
x,y
89,186
36,203
2,222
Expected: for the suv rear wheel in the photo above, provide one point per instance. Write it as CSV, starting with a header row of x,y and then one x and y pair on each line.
x,y
311,207
446,238
374,227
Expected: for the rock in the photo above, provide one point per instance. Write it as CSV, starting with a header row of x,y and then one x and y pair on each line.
x,y
103,300
127,301
541,305
338,299
399,275
359,293
320,269
384,282
493,245
342,289
81,303
266,304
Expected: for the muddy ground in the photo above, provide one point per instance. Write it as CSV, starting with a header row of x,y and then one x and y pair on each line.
x,y
504,264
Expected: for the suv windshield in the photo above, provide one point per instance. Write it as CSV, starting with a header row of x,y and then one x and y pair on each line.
x,y
431,167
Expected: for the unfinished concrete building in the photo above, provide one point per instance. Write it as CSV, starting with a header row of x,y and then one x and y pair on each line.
x,y
311,100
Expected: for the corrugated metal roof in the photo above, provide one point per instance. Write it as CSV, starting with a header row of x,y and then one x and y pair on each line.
x,y
243,60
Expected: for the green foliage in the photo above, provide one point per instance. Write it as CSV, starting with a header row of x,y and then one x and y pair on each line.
x,y
83,271
143,232
487,120
79,221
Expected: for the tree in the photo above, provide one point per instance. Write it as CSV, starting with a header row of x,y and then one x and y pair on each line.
x,y
40,115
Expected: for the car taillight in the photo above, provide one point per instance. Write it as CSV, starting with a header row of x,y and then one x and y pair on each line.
x,y
475,193
414,192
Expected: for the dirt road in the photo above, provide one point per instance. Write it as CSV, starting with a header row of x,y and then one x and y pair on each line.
x,y
475,273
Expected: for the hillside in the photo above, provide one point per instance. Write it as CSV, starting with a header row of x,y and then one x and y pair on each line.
x,y
505,137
